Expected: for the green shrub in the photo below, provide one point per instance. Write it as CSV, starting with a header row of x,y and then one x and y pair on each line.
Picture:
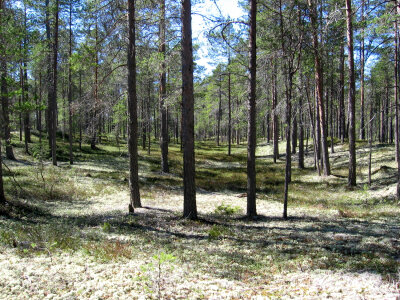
x,y
106,227
227,209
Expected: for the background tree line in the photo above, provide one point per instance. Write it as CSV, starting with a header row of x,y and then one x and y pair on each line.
x,y
310,73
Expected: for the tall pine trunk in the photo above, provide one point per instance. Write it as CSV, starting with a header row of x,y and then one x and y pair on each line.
x,y
229,115
132,110
362,69
189,202
342,116
319,90
219,114
163,94
275,121
4,92
2,196
95,118
397,79
251,106
301,127
6,110
53,108
71,159
352,99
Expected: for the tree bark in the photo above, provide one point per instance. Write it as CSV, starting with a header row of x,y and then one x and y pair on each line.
x,y
219,114
144,122
6,111
275,121
150,87
319,89
71,158
301,128
397,74
229,115
4,97
96,94
189,204
163,94
132,109
53,109
352,90
251,106
294,136
2,196
39,109
4,92
288,165
80,114
25,90
342,116
332,129
362,68
25,95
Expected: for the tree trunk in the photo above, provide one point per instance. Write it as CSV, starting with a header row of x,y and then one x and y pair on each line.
x,y
362,63
132,109
25,89
268,121
352,100
371,113
163,94
382,120
2,196
229,115
387,104
397,74
39,102
219,114
332,129
49,76
71,158
27,125
144,121
6,111
294,136
319,89
53,109
189,204
275,121
4,96
80,114
288,166
313,129
251,106
342,117
301,132
149,117
96,94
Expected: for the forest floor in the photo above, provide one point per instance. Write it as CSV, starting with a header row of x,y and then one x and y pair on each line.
x,y
67,235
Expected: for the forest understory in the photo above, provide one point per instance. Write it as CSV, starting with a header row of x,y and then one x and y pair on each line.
x,y
66,232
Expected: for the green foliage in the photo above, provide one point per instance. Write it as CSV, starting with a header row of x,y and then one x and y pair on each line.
x,y
27,106
164,257
154,272
227,209
106,227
